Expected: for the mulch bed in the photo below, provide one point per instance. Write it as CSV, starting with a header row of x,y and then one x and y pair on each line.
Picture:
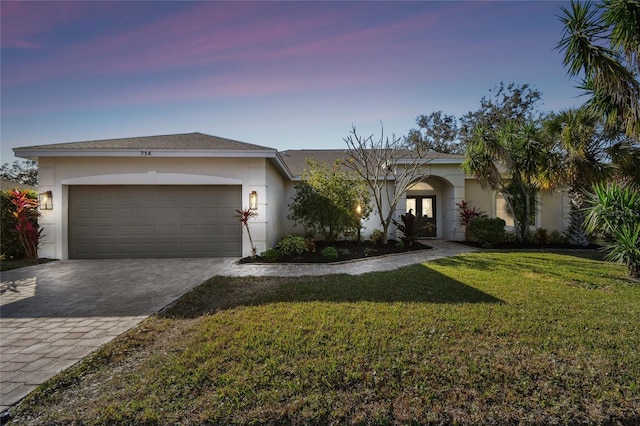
x,y
347,250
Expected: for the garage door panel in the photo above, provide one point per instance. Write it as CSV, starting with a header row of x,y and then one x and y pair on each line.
x,y
154,221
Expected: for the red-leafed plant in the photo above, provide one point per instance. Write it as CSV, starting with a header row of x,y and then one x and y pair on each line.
x,y
28,232
467,214
244,216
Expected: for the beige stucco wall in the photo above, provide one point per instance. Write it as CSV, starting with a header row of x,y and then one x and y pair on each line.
x,y
554,210
275,207
553,206
57,173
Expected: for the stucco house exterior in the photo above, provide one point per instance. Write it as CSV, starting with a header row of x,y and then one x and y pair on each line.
x,y
176,196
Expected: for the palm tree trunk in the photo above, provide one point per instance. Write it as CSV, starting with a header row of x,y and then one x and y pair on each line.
x,y
576,233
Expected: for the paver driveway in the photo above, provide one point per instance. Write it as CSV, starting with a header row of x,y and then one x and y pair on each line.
x,y
55,314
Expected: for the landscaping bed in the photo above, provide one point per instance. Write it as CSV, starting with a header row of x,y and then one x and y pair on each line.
x,y
8,264
347,250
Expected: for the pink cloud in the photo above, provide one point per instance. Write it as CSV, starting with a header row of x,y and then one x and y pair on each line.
x,y
240,51
217,33
24,23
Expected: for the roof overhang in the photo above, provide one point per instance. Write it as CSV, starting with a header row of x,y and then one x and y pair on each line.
x,y
33,153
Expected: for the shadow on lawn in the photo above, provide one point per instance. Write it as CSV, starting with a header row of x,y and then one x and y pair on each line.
x,y
411,284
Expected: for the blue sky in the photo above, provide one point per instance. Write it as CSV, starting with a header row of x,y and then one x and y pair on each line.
x,y
289,75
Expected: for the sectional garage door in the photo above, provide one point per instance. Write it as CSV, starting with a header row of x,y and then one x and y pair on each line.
x,y
128,221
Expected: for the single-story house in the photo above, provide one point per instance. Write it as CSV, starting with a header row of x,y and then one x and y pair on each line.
x,y
176,196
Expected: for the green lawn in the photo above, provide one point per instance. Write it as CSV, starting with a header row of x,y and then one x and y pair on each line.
x,y
482,338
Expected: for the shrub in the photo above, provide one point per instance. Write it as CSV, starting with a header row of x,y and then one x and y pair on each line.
x,y
330,252
557,237
10,245
271,255
467,214
310,243
410,228
613,212
344,252
243,216
376,236
20,232
292,245
369,251
400,246
510,237
487,231
541,236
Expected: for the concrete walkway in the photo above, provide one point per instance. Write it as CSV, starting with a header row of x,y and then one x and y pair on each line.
x,y
55,314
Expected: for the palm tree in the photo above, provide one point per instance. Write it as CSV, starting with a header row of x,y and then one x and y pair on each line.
x,y
589,153
579,138
602,42
510,159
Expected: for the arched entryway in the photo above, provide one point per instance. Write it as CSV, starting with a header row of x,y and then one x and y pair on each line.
x,y
433,198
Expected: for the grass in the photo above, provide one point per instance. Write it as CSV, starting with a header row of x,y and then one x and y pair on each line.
x,y
481,338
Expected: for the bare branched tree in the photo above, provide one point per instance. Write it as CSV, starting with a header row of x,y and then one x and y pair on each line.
x,y
388,169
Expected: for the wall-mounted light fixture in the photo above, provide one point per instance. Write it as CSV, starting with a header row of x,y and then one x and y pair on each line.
x,y
253,200
46,200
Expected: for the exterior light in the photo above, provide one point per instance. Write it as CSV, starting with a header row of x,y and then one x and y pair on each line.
x,y
358,210
46,200
253,200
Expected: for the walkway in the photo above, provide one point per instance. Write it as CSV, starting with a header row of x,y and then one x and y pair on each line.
x,y
55,314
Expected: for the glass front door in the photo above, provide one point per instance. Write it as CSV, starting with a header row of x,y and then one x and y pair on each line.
x,y
424,207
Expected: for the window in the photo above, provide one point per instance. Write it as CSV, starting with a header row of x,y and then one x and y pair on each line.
x,y
504,212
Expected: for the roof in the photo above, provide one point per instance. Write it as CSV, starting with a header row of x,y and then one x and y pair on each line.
x,y
6,185
296,159
186,141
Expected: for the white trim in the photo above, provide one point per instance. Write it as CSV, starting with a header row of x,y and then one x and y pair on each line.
x,y
151,178
142,152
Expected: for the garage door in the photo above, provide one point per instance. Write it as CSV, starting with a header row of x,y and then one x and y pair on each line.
x,y
127,221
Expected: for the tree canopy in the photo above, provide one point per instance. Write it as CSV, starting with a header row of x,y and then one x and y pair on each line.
x,y
436,132
445,133
25,172
601,45
330,200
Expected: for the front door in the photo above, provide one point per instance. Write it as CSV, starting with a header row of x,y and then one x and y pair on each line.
x,y
424,207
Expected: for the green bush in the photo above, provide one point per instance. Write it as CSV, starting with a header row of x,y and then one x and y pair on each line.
x,y
9,241
541,236
292,245
330,252
271,255
376,236
557,237
487,231
410,228
344,252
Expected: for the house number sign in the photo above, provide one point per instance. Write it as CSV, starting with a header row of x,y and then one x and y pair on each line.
x,y
145,153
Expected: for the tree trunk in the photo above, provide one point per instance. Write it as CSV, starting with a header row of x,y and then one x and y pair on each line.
x,y
576,233
385,231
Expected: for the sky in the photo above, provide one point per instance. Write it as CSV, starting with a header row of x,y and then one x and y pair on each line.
x,y
287,75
